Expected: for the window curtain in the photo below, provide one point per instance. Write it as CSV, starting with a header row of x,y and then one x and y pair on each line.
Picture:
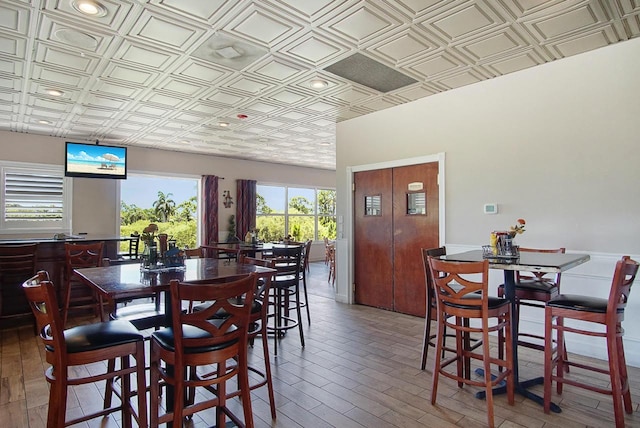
x,y
245,207
210,211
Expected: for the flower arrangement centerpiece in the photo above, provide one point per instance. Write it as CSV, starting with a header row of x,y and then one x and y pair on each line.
x,y
518,228
150,252
149,234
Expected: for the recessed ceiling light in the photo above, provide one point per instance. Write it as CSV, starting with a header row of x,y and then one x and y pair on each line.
x,y
89,7
45,122
223,124
324,143
318,83
54,92
185,142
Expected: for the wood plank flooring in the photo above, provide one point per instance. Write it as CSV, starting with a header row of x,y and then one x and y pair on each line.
x,y
360,368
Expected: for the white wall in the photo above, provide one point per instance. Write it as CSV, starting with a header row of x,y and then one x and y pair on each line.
x,y
96,202
556,144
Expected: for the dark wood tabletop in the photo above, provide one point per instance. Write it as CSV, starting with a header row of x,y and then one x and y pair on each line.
x,y
128,280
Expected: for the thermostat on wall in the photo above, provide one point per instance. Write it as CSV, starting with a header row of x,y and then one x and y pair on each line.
x,y
491,208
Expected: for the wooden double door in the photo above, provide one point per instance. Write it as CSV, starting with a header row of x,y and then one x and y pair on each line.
x,y
396,214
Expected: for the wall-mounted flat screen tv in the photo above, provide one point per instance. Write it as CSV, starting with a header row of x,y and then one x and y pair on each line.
x,y
95,161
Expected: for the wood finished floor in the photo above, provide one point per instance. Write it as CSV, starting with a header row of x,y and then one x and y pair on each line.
x,y
360,368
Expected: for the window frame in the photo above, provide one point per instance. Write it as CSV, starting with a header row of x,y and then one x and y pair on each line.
x,y
36,226
316,213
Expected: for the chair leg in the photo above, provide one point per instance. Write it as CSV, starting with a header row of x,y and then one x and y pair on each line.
x,y
267,369
245,393
306,297
560,354
614,373
108,389
487,376
65,306
624,377
437,361
154,387
548,359
427,337
57,411
299,314
126,393
142,385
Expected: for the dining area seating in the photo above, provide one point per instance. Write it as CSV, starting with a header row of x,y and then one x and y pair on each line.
x,y
198,339
68,349
461,295
595,315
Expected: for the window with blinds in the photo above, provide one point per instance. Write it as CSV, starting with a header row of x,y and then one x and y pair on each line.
x,y
35,198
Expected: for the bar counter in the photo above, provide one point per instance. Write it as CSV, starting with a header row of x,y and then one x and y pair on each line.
x,y
14,308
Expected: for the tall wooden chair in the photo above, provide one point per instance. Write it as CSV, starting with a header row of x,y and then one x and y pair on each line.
x,y
332,263
286,292
197,339
432,313
82,345
533,289
194,253
17,263
258,326
459,295
132,254
303,276
81,256
592,312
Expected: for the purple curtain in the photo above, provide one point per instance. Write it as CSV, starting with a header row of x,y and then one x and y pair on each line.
x,y
210,211
245,207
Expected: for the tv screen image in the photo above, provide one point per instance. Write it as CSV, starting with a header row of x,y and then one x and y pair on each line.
x,y
95,161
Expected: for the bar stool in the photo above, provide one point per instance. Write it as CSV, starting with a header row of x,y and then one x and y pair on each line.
x,y
286,292
81,256
200,339
81,345
460,296
605,312
17,262
533,289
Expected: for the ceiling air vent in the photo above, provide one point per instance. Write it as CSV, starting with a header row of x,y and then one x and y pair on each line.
x,y
372,74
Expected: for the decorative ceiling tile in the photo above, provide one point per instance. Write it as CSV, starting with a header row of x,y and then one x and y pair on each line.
x,y
165,31
154,73
14,18
261,26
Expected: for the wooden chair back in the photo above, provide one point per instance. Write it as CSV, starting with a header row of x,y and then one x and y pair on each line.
x,y
82,255
288,264
623,278
234,298
456,285
194,253
431,301
552,280
41,294
79,256
17,263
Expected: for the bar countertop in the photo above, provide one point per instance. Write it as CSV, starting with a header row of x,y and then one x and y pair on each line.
x,y
67,238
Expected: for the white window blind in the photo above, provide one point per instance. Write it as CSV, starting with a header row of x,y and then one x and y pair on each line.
x,y
35,197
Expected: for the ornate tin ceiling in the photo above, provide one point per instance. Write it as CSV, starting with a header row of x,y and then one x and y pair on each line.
x,y
175,74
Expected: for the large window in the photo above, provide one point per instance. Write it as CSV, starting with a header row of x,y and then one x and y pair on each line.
x,y
35,198
301,212
169,202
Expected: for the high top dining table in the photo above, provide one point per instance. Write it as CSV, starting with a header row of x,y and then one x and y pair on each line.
x,y
526,262
125,281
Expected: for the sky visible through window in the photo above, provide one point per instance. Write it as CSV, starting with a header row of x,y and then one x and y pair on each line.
x,y
143,191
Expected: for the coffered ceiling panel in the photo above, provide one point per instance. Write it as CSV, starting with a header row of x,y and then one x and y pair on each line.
x,y
252,79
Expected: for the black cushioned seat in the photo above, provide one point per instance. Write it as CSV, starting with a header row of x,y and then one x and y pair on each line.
x,y
580,303
100,335
143,315
494,302
541,286
165,338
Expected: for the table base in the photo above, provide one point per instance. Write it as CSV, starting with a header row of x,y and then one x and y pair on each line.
x,y
520,388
